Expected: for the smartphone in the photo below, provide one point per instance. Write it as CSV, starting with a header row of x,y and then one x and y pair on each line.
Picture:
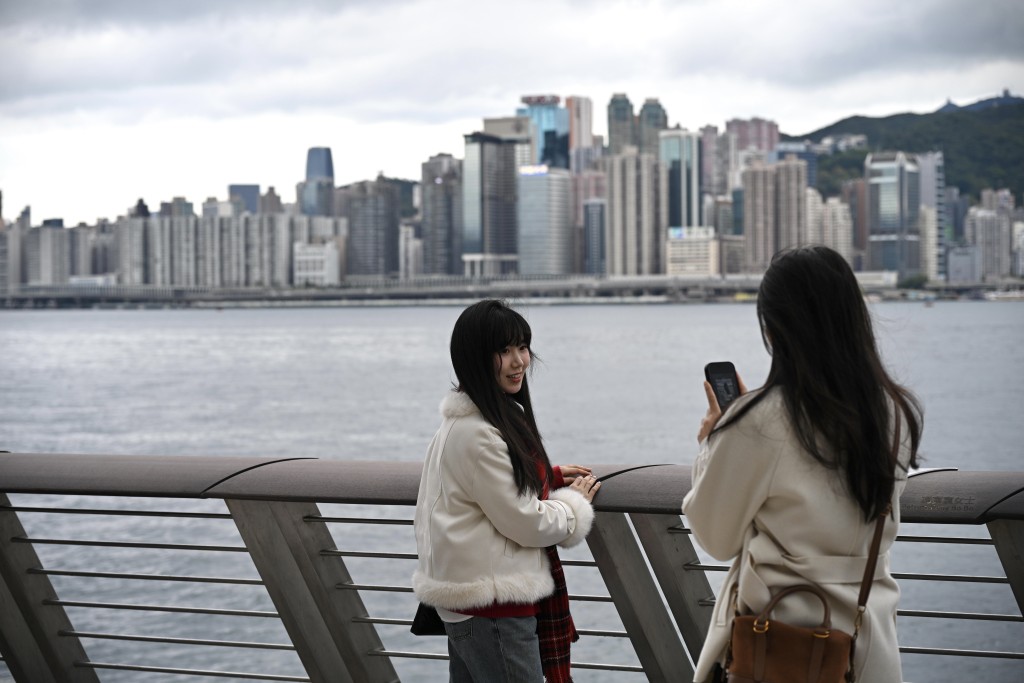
x,y
722,378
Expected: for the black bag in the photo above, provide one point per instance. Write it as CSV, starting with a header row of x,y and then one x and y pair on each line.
x,y
426,622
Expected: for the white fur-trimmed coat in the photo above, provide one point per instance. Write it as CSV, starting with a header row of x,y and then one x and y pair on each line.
x,y
479,542
759,499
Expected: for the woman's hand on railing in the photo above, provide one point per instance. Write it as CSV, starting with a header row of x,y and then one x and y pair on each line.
x,y
571,472
586,485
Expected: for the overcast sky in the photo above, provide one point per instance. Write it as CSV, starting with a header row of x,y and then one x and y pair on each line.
x,y
106,101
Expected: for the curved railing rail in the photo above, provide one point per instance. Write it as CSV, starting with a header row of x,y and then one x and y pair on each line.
x,y
309,593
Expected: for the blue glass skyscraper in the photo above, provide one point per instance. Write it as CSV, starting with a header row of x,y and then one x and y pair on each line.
x,y
316,193
550,129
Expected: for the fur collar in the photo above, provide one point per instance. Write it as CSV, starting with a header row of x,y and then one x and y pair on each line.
x,y
457,404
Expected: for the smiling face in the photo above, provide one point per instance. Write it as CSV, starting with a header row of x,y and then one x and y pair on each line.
x,y
510,366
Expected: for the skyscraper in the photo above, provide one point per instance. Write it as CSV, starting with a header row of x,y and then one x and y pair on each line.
x,y
581,122
550,129
545,227
316,192
621,124
650,122
893,204
790,202
758,216
932,168
441,188
679,154
489,236
372,208
755,133
635,235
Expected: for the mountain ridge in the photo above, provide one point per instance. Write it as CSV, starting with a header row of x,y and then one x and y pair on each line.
x,y
982,143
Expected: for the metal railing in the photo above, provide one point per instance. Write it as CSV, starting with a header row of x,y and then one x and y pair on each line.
x,y
138,568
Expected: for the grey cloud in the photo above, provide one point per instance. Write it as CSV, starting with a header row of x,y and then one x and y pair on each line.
x,y
76,14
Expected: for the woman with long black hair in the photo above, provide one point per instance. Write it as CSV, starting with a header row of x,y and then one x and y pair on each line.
x,y
790,480
491,509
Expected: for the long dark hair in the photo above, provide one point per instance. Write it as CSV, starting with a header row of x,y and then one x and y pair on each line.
x,y
816,326
482,330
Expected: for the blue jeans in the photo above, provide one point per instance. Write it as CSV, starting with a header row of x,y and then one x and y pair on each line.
x,y
484,650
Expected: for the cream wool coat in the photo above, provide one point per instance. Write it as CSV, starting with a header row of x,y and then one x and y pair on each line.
x,y
759,499
479,542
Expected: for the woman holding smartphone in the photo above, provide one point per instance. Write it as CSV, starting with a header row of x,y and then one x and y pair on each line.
x,y
491,509
789,481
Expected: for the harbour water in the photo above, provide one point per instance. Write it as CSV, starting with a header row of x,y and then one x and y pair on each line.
x,y
615,384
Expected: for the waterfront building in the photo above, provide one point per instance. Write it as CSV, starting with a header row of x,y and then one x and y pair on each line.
x,y
410,252
760,241
233,251
595,213
315,194
893,205
636,219
997,200
932,170
46,256
245,197
130,237
991,232
756,133
651,120
550,129
927,228
621,124
790,202
11,236
963,265
490,231
692,251
158,251
318,265
730,254
372,209
545,238
680,158
279,231
722,216
1017,237
208,256
182,232
441,183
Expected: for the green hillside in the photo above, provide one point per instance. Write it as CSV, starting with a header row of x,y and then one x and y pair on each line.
x,y
982,148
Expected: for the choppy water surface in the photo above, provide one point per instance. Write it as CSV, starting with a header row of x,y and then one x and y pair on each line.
x,y
617,383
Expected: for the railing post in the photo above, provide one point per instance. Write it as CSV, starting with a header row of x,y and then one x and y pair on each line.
x,y
635,593
320,619
687,591
1009,539
32,650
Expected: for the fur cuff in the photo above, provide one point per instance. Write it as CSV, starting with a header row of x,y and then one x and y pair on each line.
x,y
581,510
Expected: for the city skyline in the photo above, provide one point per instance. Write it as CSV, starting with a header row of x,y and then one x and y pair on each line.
x,y
108,102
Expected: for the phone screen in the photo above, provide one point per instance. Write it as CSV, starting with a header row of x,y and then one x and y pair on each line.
x,y
722,377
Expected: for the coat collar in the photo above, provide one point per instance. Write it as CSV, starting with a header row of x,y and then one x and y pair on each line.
x,y
457,404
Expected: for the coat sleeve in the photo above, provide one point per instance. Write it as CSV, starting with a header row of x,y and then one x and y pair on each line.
x,y
563,519
731,481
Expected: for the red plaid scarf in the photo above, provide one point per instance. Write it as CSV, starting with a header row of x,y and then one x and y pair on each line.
x,y
555,629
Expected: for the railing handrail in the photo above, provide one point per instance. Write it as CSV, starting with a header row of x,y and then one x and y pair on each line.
x,y
932,497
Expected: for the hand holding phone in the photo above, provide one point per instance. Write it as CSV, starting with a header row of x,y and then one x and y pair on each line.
x,y
724,382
